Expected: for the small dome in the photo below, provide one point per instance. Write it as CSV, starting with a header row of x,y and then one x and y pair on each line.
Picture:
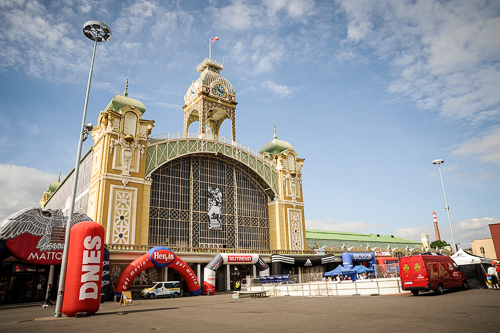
x,y
275,146
53,187
424,236
119,101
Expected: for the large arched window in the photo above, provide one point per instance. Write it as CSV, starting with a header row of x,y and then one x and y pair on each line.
x,y
203,201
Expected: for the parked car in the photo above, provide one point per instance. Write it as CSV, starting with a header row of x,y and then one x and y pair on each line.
x,y
428,272
286,282
162,289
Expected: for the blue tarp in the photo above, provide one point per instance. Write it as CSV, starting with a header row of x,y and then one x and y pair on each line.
x,y
340,271
362,269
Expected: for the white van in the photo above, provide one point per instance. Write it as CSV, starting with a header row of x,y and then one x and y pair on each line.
x,y
165,288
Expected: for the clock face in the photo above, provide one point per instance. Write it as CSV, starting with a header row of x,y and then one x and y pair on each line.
x,y
219,90
193,92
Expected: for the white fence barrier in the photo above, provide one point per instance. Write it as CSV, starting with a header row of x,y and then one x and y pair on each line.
x,y
388,286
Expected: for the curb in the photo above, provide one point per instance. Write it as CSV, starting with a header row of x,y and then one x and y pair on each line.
x,y
20,305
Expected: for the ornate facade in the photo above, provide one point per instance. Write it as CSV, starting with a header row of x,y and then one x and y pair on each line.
x,y
196,193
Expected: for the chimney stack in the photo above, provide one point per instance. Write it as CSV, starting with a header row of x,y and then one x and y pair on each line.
x,y
436,228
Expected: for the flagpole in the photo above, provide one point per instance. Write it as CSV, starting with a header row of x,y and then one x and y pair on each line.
x,y
210,49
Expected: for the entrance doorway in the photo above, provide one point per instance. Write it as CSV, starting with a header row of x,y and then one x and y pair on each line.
x,y
238,273
21,283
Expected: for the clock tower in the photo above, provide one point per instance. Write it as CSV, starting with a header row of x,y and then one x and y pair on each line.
x,y
210,100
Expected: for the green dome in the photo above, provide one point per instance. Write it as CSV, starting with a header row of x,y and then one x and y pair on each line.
x,y
53,186
119,101
275,146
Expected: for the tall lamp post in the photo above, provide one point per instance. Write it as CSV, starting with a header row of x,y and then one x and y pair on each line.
x,y
447,208
98,32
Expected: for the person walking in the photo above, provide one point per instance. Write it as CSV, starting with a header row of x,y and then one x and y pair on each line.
x,y
494,277
49,294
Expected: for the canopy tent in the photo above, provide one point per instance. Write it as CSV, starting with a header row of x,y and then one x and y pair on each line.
x,y
474,268
362,269
464,258
432,254
342,271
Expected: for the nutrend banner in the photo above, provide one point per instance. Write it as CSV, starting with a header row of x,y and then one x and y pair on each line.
x,y
231,259
159,257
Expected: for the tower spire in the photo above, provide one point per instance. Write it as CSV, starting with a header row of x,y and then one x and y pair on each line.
x,y
126,88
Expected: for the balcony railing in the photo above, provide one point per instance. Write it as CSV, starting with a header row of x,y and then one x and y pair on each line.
x,y
145,248
206,136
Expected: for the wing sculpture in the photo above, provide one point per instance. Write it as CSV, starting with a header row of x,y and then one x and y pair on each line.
x,y
38,222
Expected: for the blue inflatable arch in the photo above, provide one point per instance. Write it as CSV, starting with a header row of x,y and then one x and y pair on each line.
x,y
348,259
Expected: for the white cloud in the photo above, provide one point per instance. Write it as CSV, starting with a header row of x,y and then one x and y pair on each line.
x,y
294,8
485,146
333,225
441,52
414,233
34,40
244,15
21,187
261,54
238,16
464,231
278,90
357,31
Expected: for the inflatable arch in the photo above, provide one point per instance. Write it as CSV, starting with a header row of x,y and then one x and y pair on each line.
x,y
231,259
349,258
159,257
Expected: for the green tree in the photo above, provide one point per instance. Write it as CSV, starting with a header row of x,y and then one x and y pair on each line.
x,y
440,244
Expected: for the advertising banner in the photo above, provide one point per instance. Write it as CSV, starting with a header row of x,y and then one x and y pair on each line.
x,y
214,206
106,281
36,236
84,275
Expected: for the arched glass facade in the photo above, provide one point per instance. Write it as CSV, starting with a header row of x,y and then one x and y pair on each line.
x,y
186,191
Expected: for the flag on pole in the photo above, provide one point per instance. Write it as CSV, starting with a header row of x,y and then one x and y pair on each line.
x,y
213,39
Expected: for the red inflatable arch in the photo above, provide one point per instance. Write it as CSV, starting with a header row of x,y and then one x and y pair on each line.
x,y
159,256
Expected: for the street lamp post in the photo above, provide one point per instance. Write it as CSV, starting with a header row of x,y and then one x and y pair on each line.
x,y
98,32
447,208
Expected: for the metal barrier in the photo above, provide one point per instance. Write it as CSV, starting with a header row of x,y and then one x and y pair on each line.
x,y
389,286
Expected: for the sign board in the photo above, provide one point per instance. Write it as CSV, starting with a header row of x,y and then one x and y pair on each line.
x,y
274,278
126,298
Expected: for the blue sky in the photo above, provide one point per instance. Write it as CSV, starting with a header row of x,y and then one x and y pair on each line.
x,y
368,92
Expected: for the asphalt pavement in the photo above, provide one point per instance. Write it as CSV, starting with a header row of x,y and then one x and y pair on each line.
x,y
455,311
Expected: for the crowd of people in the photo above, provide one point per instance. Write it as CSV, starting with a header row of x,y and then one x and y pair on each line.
x,y
339,278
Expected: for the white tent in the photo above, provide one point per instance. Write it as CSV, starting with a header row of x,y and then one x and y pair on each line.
x,y
464,258
474,268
